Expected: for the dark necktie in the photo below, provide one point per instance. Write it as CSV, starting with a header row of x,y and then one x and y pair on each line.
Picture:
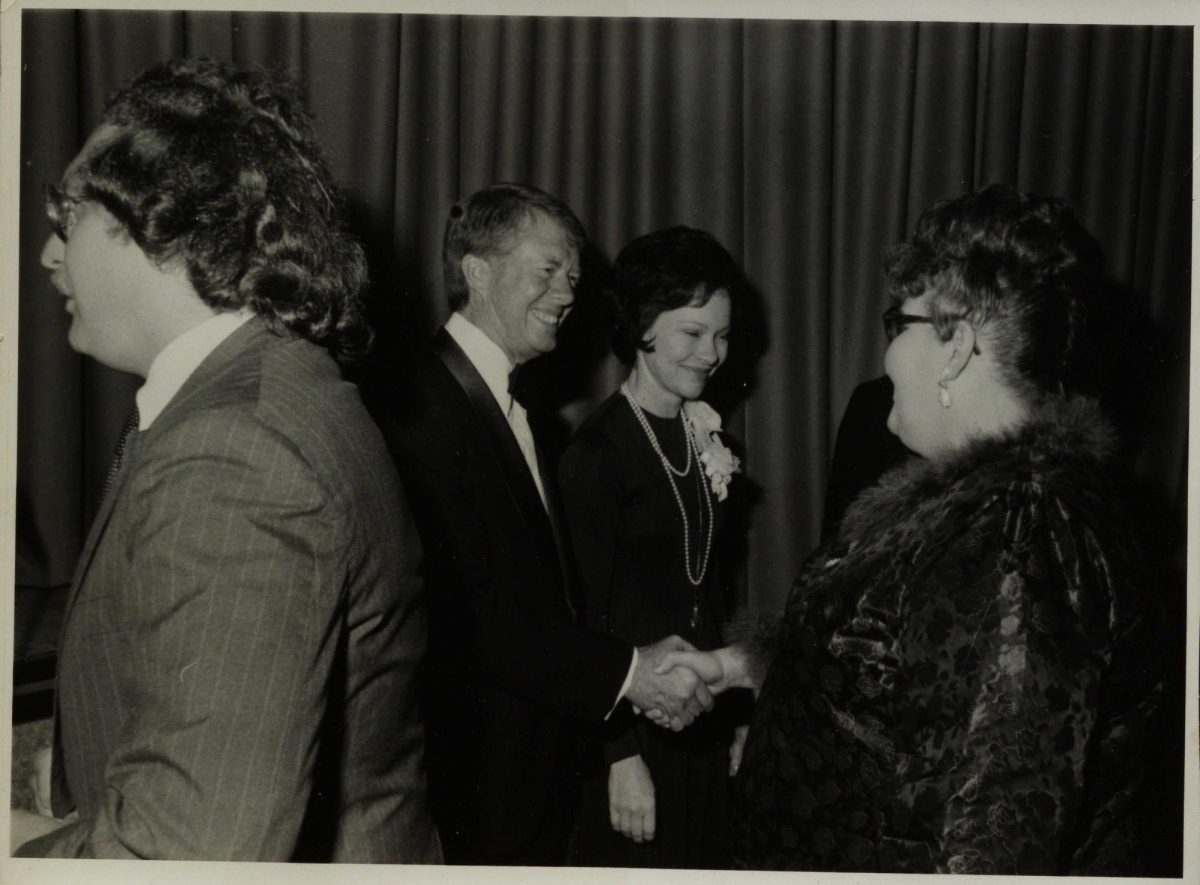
x,y
131,426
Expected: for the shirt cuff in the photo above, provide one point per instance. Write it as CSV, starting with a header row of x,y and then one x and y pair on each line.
x,y
625,685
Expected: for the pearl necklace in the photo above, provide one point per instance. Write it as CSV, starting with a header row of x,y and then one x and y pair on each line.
x,y
691,447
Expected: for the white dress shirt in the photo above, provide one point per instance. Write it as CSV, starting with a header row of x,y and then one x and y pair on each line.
x,y
494,367
176,362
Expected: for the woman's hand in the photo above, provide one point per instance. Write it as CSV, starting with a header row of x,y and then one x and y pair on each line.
x,y
721,669
631,799
735,749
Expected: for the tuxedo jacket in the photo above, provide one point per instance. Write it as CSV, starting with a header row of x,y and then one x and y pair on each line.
x,y
509,669
236,674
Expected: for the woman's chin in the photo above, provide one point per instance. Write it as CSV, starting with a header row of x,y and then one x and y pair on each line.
x,y
912,444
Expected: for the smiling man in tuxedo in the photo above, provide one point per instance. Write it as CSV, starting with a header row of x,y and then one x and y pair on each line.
x,y
510,671
236,673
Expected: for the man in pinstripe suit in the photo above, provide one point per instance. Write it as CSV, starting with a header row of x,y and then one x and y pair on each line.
x,y
238,657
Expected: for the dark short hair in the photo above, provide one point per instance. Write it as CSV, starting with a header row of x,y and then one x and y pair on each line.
x,y
217,167
663,271
1021,265
483,224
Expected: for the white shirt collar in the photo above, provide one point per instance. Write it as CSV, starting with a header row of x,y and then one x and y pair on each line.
x,y
177,361
485,355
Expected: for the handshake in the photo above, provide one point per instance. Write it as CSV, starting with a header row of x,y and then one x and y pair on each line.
x,y
673,683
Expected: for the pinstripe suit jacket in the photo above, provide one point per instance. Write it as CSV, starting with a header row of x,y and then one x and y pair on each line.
x,y
238,656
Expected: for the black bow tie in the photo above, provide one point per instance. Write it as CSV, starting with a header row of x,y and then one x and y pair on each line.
x,y
520,385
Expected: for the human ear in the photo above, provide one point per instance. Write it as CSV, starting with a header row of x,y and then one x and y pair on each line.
x,y
962,347
478,274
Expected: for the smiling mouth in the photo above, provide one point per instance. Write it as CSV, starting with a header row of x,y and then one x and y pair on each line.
x,y
550,319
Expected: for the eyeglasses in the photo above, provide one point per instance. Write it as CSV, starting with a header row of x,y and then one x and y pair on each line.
x,y
60,209
895,322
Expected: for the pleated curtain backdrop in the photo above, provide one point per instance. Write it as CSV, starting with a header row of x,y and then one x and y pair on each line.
x,y
807,148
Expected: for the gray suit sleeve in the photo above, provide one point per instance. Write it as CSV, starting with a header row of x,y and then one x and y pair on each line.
x,y
231,599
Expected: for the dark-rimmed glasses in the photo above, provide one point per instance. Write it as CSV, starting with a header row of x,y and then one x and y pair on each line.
x,y
896,321
60,209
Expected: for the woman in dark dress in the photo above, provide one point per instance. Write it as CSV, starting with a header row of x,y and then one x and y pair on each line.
x,y
965,678
643,483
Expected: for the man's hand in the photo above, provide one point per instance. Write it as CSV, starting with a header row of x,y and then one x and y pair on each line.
x,y
25,825
631,799
722,669
39,781
675,693
704,664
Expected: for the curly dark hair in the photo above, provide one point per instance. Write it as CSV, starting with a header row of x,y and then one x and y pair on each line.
x,y
482,224
217,167
663,271
1025,268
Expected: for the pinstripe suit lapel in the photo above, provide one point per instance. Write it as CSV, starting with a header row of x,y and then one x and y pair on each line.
x,y
208,372
61,799
100,523
241,344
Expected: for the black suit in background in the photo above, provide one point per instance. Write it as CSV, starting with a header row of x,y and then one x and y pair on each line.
x,y
507,666
865,450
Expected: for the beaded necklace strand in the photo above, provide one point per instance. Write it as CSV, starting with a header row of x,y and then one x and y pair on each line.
x,y
695,578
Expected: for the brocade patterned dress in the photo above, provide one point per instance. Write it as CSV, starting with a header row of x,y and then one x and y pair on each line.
x,y
965,679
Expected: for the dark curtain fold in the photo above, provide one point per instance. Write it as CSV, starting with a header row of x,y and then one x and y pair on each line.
x,y
806,147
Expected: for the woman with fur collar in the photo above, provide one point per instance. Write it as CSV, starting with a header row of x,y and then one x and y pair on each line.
x,y
963,680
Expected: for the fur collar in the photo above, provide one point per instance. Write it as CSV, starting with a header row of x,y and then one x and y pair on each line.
x,y
1064,436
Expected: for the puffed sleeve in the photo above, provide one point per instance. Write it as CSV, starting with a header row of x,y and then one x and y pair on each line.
x,y
1032,676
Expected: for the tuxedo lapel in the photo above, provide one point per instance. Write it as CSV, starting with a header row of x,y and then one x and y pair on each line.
x,y
557,525
507,451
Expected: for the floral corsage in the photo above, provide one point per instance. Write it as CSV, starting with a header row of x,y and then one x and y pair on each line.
x,y
720,464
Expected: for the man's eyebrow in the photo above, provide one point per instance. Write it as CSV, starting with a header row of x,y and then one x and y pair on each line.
x,y
555,259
